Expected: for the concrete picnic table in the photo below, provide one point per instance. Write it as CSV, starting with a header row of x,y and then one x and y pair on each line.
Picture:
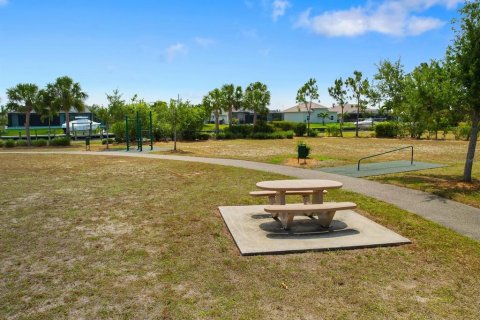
x,y
282,186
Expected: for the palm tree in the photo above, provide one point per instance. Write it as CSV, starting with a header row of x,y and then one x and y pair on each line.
x,y
257,98
213,102
24,97
323,115
232,96
67,95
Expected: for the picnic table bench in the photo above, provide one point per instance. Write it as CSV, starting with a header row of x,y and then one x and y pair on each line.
x,y
316,187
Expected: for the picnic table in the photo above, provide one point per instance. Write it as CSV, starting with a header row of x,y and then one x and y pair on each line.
x,y
282,186
286,212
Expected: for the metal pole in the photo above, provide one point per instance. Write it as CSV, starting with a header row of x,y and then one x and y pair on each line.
x,y
127,138
151,132
411,161
139,133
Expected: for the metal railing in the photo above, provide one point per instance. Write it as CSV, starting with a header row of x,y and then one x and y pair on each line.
x,y
379,154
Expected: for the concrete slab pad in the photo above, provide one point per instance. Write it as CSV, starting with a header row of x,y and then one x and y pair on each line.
x,y
256,232
380,168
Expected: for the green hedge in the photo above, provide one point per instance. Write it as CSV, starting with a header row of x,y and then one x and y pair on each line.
x,y
60,141
333,130
300,129
21,143
386,130
10,143
39,143
110,141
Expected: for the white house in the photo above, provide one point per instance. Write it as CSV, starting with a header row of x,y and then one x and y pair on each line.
x,y
299,113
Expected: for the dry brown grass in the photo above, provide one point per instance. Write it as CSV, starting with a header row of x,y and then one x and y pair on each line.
x,y
104,237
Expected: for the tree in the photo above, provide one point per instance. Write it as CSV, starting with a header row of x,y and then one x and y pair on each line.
x,y
465,53
339,93
232,97
359,89
257,98
47,109
24,97
67,95
105,115
213,102
324,115
116,105
374,99
390,84
306,94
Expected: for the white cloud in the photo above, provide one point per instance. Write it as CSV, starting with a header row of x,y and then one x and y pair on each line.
x,y
204,42
175,50
279,8
391,17
3,2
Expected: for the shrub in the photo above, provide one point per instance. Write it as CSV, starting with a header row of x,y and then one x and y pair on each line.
x,y
284,125
240,131
110,141
39,143
312,133
262,126
60,141
289,134
22,143
2,143
9,143
300,129
118,129
333,130
462,131
386,130
203,136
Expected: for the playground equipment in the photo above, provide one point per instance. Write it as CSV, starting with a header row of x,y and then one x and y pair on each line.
x,y
379,154
139,133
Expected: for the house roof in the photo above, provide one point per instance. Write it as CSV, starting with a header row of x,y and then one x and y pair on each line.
x,y
301,107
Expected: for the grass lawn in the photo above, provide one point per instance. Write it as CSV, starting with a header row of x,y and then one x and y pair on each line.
x,y
43,131
331,152
102,237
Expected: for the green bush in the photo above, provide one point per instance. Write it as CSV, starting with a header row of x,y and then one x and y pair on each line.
x,y
263,127
462,131
312,133
2,143
333,130
300,129
60,141
240,131
386,130
39,143
10,143
203,136
284,125
110,141
21,143
118,129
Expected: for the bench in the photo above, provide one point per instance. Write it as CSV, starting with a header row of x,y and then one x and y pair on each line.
x,y
271,194
325,211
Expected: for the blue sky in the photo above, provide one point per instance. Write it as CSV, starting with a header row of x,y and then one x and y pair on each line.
x,y
158,49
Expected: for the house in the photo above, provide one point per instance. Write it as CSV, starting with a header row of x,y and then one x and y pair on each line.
x,y
16,120
318,113
350,112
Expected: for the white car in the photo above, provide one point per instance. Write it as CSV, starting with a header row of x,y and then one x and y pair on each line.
x,y
365,124
81,124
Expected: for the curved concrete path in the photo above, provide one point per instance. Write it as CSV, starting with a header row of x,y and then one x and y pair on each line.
x,y
454,215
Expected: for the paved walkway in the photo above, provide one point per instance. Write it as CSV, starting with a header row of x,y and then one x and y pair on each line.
x,y
459,217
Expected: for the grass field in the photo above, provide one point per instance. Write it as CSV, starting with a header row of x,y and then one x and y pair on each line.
x,y
102,237
331,152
